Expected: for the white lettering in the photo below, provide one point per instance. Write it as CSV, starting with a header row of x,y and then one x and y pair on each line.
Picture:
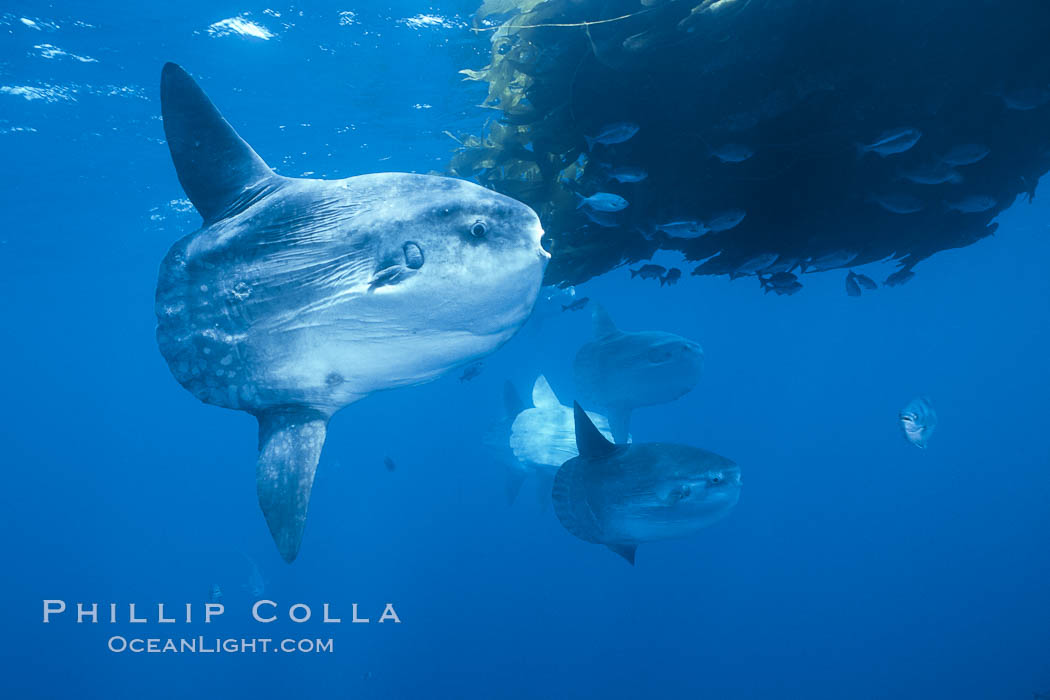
x,y
53,606
255,610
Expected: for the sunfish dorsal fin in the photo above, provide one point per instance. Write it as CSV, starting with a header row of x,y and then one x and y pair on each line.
x,y
590,443
215,166
602,322
290,442
542,394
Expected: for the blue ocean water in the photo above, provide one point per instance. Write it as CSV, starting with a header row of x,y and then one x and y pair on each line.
x,y
854,565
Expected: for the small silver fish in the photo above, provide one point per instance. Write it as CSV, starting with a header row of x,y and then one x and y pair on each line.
x,y
602,201
215,595
733,152
778,281
1026,99
602,218
471,372
892,142
852,288
725,220
831,261
683,229
628,174
649,272
937,174
864,281
965,154
754,264
897,203
672,277
576,305
612,134
974,204
899,277
782,264
918,421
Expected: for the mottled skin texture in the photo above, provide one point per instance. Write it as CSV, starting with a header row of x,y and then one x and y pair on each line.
x,y
620,371
624,495
273,305
298,297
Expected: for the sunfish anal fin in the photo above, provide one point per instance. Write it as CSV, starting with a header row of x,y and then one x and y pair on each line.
x,y
216,168
290,442
512,403
624,550
620,424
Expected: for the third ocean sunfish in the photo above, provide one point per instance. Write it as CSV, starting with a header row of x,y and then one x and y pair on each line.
x,y
620,371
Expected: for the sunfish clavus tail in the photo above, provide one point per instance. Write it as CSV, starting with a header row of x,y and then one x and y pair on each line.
x,y
297,297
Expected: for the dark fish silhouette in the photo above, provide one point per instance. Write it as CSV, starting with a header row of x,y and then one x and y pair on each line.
x,y
389,464
576,305
649,272
471,372
852,288
672,276
624,495
780,283
899,277
864,281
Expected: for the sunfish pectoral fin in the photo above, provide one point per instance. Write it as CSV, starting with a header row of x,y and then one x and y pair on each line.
x,y
216,168
390,276
624,550
290,442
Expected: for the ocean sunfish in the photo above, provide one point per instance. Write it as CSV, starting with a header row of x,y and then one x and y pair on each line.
x,y
297,297
624,495
543,438
620,371
918,421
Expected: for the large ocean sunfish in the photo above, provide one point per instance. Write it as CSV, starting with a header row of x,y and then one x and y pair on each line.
x,y
298,297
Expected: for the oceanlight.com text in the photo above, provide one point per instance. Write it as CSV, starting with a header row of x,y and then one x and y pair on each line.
x,y
218,645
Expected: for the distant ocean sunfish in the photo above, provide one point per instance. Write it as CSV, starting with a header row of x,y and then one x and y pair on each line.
x,y
624,495
918,421
298,297
621,371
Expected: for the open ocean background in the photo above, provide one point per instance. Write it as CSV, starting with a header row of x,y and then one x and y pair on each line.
x,y
854,565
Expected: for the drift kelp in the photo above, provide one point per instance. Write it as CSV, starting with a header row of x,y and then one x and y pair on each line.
x,y
815,119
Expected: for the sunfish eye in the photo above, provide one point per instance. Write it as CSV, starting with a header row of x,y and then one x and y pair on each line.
x,y
478,229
